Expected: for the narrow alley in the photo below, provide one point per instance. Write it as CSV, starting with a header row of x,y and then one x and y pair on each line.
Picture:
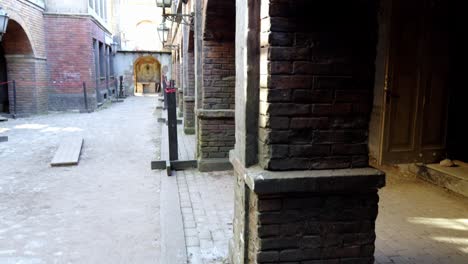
x,y
233,132
105,210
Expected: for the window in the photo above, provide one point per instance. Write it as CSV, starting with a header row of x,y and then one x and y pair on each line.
x,y
102,61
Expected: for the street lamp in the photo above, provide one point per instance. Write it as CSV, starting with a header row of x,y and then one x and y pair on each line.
x,y
3,22
163,3
163,32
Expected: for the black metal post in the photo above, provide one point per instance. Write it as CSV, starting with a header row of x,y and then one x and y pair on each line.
x,y
14,99
172,124
164,93
85,96
121,95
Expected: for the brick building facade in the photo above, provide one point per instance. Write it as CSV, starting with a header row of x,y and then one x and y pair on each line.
x,y
51,53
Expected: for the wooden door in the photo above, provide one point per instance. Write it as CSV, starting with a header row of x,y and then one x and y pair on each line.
x,y
416,90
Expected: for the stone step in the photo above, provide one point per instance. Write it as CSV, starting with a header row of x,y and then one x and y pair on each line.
x,y
452,178
68,152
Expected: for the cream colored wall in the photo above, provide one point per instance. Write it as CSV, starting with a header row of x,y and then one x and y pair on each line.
x,y
67,6
138,24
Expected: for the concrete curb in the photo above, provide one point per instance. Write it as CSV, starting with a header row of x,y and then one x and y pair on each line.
x,y
173,249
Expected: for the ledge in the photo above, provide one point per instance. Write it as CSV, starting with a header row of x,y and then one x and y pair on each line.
x,y
318,181
208,165
189,98
215,114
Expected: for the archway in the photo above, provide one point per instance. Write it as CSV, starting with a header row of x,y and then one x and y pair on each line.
x,y
16,52
147,75
216,100
4,102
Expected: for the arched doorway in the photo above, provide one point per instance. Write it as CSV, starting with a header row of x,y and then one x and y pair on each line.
x,y
147,75
4,102
18,62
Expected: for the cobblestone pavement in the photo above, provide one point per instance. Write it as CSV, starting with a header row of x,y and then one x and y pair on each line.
x,y
418,223
207,203
105,210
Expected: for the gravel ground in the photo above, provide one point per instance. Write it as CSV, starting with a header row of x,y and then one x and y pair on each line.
x,y
105,210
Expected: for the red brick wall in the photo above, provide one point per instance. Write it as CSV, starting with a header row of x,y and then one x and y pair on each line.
x,y
317,65
219,71
70,53
71,60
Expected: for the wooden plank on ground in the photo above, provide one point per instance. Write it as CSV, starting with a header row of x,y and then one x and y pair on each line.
x,y
68,152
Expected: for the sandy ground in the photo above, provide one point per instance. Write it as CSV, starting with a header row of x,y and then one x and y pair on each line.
x,y
105,210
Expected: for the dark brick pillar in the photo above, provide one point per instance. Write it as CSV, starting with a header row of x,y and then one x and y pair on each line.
x,y
180,83
216,117
189,94
312,197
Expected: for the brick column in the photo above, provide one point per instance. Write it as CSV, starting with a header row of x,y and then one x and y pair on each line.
x,y
216,116
31,79
310,197
189,93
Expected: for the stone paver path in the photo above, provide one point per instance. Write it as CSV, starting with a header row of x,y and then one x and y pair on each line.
x,y
207,208
418,223
105,210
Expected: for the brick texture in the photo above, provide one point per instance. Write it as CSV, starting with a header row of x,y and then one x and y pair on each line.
x,y
217,135
71,61
309,227
189,90
218,75
317,68
24,47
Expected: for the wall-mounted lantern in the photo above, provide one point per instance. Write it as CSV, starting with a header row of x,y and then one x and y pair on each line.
x,y
163,3
3,22
163,32
171,47
184,19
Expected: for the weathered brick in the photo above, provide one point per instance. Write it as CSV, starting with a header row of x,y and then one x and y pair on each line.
x,y
309,122
290,255
309,150
278,243
269,205
268,256
268,231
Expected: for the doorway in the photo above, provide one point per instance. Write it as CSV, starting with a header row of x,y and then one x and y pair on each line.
x,y
4,99
411,101
147,75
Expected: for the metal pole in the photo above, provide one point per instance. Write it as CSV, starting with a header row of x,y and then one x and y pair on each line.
x,y
14,99
164,92
85,97
121,95
172,124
